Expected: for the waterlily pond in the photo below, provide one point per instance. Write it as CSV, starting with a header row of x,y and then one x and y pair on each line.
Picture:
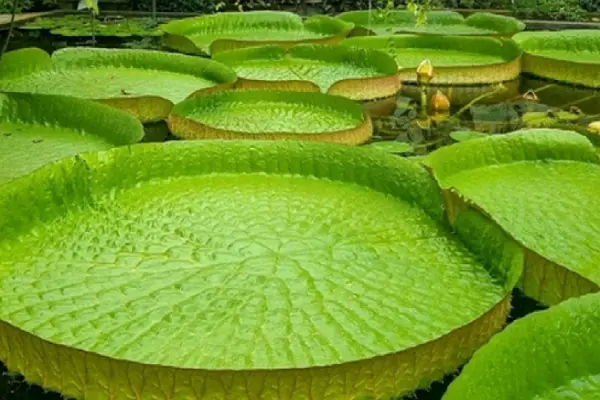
x,y
261,206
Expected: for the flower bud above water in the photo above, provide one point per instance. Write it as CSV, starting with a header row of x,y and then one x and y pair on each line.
x,y
439,103
424,72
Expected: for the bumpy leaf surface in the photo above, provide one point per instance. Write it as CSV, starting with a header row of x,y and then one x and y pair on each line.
x,y
540,185
234,29
239,261
38,129
323,65
549,355
272,112
109,74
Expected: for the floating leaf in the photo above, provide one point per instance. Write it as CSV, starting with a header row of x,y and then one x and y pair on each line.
x,y
392,147
461,136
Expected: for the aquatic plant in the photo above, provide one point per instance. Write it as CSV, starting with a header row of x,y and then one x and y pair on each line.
x,y
255,114
438,23
359,74
521,179
75,25
36,129
249,246
548,354
457,60
571,56
210,34
142,82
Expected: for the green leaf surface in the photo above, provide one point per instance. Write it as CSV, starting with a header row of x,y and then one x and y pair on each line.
x,y
226,31
539,185
81,26
548,355
272,112
323,65
392,146
109,74
37,129
462,136
438,23
276,266
571,56
455,59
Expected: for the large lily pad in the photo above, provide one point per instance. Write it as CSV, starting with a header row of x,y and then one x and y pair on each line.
x,y
37,129
552,354
456,60
541,186
209,34
142,82
271,115
571,56
359,74
289,269
438,23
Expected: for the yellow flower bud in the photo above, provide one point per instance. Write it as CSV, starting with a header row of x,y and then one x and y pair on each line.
x,y
424,72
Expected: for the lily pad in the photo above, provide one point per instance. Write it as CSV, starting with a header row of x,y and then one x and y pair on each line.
x,y
210,34
551,354
359,74
144,83
571,56
447,23
271,115
541,187
456,60
37,129
463,136
81,26
277,267
392,146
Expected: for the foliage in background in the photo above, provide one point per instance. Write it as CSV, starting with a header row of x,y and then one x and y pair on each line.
x,y
554,9
27,5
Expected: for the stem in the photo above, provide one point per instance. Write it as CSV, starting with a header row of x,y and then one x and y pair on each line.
x,y
154,11
579,101
477,99
93,28
13,13
424,101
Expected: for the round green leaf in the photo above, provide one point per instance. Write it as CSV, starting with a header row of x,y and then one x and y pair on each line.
x,y
359,74
447,23
541,187
461,136
392,147
279,267
143,82
271,115
210,34
456,60
550,355
37,129
571,56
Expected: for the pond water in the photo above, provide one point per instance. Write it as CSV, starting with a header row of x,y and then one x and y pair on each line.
x,y
493,109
